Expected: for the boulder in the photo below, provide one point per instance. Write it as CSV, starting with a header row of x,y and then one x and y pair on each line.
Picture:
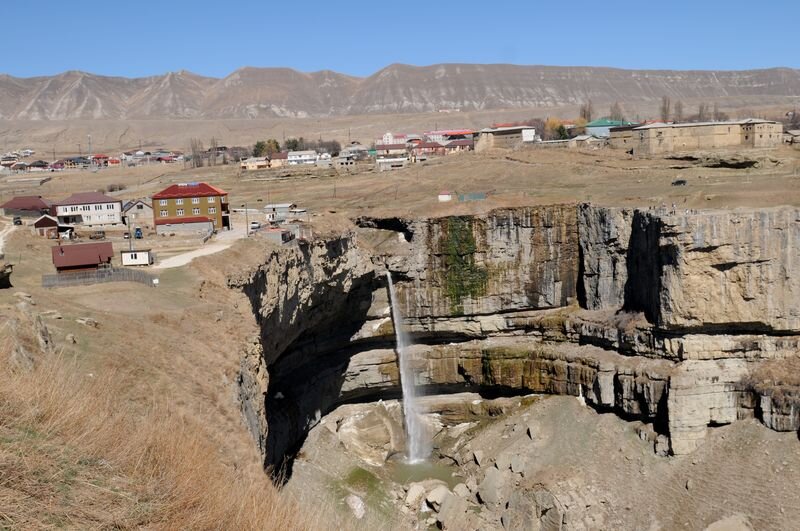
x,y
462,490
436,497
416,491
356,505
502,462
478,457
70,338
518,464
453,513
491,491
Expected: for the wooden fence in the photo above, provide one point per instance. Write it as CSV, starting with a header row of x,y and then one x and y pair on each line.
x,y
111,274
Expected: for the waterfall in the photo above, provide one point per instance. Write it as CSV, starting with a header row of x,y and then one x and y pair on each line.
x,y
417,448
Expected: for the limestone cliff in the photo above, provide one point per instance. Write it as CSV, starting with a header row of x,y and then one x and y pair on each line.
x,y
664,317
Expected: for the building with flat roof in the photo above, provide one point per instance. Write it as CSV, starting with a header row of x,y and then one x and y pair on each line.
x,y
659,137
504,136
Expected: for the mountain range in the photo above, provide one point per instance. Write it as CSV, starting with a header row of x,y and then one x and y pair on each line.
x,y
283,92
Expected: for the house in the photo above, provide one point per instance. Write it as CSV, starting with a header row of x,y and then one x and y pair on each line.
x,y
276,160
254,163
82,256
137,212
459,146
449,135
191,207
90,209
354,152
504,136
39,165
657,138
427,149
137,257
49,227
302,157
26,206
584,141
391,156
601,127
390,138
445,196
792,136
278,212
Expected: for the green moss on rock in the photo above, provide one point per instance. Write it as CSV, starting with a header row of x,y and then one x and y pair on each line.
x,y
462,277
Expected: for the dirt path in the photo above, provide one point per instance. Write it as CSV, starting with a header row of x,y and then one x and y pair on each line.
x,y
7,229
222,242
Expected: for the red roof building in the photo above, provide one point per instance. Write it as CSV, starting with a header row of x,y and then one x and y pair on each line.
x,y
184,190
81,257
191,207
26,206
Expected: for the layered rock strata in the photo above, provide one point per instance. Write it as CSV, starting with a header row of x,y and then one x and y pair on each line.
x,y
660,316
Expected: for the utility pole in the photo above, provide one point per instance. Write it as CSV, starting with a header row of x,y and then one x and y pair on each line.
x,y
246,221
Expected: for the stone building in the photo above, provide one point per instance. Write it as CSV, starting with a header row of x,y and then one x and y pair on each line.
x,y
657,138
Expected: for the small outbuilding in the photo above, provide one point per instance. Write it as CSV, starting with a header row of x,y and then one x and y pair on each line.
x,y
49,227
137,257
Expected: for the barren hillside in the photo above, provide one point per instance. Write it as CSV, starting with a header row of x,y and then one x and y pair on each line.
x,y
283,92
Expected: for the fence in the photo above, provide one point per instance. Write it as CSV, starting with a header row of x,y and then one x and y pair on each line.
x,y
111,274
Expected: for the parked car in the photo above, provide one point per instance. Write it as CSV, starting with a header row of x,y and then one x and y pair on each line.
x,y
137,233
17,220
126,235
255,225
98,235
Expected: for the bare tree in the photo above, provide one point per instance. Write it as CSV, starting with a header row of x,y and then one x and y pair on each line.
x,y
719,116
212,152
702,112
616,113
587,111
196,148
666,105
677,116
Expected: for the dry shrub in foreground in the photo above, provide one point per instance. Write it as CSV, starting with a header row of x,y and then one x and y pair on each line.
x,y
160,472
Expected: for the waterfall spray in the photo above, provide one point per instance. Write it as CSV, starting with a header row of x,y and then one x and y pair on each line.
x,y
417,448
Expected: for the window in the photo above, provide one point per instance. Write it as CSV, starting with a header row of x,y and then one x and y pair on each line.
x,y
163,213
163,202
132,256
179,201
195,200
179,212
110,206
140,207
98,207
211,199
195,211
86,208
212,210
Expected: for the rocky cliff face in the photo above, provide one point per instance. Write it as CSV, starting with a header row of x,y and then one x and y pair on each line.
x,y
656,316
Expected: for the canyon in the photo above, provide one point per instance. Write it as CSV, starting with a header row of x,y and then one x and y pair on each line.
x,y
680,321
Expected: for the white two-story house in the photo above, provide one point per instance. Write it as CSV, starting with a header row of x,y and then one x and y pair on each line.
x,y
302,157
91,209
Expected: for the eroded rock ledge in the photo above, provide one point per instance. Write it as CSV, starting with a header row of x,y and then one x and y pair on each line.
x,y
661,316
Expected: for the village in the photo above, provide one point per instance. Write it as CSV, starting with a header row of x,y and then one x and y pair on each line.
x,y
96,230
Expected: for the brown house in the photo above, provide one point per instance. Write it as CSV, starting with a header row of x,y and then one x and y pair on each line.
x,y
81,257
191,207
31,206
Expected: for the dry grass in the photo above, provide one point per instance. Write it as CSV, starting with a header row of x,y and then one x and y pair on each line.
x,y
73,454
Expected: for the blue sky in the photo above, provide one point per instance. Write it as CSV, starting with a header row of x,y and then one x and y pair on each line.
x,y
360,37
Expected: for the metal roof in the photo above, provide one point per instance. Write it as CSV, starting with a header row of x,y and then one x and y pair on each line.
x,y
83,254
27,202
183,190
86,198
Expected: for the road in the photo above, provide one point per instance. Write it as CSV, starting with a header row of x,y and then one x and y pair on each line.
x,y
221,241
